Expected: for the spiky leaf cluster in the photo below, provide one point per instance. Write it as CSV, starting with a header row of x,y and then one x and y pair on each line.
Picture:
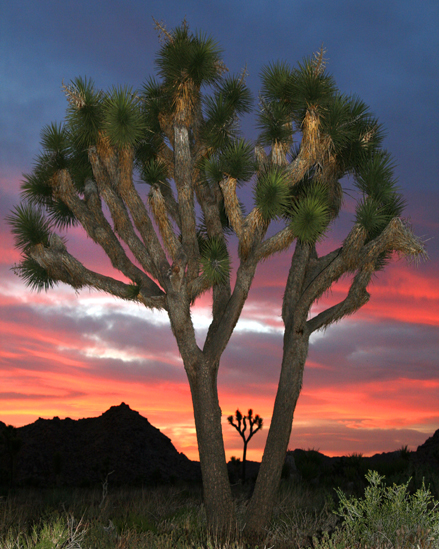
x,y
54,157
310,213
237,93
286,96
122,120
188,61
311,87
34,276
236,160
153,104
85,114
274,119
29,226
57,155
276,81
155,172
132,291
271,193
215,260
274,122
381,200
220,125
353,131
221,110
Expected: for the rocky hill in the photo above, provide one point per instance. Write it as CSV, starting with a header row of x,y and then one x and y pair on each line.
x,y
66,452
82,452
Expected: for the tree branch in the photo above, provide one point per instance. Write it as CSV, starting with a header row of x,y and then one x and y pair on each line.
x,y
277,243
107,182
294,285
253,231
397,236
309,152
89,214
63,267
141,219
231,205
209,202
356,298
159,210
219,334
185,190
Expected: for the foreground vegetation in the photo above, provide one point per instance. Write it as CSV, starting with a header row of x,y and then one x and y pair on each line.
x,y
399,516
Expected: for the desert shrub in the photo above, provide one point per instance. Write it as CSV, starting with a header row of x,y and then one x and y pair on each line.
x,y
309,463
56,532
388,516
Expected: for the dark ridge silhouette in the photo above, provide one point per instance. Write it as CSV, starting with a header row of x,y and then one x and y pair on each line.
x,y
67,452
122,443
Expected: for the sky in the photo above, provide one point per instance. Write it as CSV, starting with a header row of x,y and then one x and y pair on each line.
x,y
371,381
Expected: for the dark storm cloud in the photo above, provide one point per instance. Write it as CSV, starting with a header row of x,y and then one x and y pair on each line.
x,y
360,352
351,352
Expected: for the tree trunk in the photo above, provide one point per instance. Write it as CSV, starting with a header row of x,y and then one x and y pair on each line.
x,y
244,459
202,376
217,493
261,505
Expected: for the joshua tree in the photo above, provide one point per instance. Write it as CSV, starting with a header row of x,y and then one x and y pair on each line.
x,y
241,427
129,167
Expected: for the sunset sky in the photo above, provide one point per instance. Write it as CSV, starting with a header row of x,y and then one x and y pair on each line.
x,y
371,381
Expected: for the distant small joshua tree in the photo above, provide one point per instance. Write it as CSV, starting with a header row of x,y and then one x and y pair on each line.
x,y
241,427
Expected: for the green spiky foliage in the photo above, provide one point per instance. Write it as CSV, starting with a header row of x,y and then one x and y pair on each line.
x,y
220,125
215,260
274,123
56,145
353,131
272,193
311,87
238,95
310,214
276,80
132,291
34,276
155,172
79,167
221,112
187,61
57,155
85,114
122,121
29,226
274,119
236,160
153,103
381,200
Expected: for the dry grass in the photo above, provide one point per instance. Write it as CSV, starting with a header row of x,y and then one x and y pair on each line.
x,y
164,517
161,518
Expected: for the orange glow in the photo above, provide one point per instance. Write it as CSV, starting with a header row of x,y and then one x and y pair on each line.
x,y
47,370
